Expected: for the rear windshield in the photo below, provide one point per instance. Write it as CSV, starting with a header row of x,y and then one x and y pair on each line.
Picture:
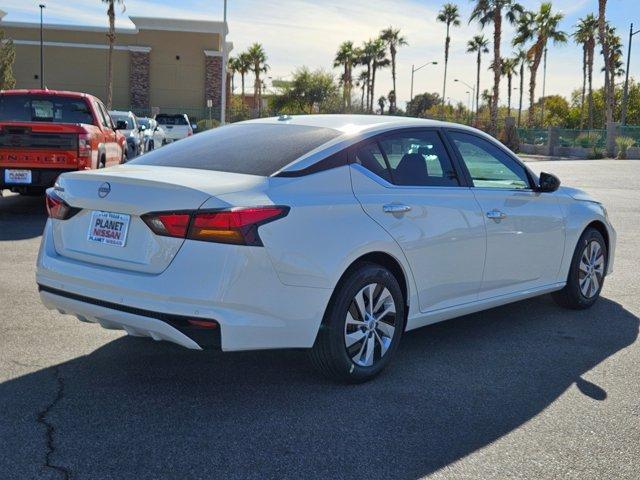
x,y
249,148
123,118
171,120
33,108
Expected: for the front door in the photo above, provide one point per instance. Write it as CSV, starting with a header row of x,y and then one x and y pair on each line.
x,y
407,184
525,228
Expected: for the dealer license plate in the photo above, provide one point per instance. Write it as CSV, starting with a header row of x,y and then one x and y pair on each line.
x,y
109,228
17,176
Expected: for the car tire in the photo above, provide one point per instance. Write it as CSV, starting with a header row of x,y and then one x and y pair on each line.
x,y
353,346
102,162
587,272
150,147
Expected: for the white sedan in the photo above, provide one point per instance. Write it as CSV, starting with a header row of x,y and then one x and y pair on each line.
x,y
332,233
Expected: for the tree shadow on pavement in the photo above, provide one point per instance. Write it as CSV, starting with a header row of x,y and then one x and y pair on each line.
x,y
21,217
139,409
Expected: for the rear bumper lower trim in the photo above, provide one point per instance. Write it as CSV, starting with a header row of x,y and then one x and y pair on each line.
x,y
197,338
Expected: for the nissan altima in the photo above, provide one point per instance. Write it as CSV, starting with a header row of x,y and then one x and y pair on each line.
x,y
331,233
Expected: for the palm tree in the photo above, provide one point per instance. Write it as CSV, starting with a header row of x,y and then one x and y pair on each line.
x,y
392,38
490,11
449,15
363,82
540,26
478,44
345,57
522,59
231,68
243,66
382,101
366,59
585,35
111,36
615,51
257,58
606,53
379,60
509,70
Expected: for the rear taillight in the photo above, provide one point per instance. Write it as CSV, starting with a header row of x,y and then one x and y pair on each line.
x,y
84,145
189,132
57,208
238,226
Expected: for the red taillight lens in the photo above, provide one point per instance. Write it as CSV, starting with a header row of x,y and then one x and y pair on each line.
x,y
238,226
57,208
169,224
84,145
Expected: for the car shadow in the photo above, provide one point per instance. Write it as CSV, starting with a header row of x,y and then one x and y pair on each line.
x,y
139,409
21,217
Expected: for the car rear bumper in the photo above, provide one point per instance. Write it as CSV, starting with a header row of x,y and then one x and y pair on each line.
x,y
235,286
40,177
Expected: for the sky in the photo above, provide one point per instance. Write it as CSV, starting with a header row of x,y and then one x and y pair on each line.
x,y
299,33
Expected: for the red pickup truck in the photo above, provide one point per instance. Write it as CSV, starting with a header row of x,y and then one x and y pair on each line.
x,y
44,133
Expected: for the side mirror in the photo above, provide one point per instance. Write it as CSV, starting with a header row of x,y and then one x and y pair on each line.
x,y
142,128
121,125
548,182
156,129
194,126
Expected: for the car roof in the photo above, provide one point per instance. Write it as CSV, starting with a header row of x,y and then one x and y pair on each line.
x,y
349,124
120,112
352,128
46,91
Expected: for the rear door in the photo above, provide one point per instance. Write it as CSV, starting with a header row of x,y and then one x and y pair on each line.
x,y
408,184
525,228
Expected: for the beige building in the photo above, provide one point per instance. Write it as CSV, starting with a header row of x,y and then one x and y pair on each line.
x,y
166,65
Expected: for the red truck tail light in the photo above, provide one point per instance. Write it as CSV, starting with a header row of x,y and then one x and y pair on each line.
x,y
57,208
84,145
238,226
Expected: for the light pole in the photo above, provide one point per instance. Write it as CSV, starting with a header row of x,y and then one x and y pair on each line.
x,y
223,100
468,92
42,7
544,87
473,89
625,96
414,70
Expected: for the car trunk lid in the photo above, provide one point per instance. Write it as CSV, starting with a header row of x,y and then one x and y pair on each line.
x,y
108,230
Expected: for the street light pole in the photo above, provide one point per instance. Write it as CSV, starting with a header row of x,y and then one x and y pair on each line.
x,y
473,89
223,100
42,7
625,97
414,70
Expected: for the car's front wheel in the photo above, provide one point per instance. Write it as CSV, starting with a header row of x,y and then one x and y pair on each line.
x,y
362,326
587,272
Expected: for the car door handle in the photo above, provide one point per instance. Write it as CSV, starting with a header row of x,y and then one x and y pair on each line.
x,y
496,215
396,208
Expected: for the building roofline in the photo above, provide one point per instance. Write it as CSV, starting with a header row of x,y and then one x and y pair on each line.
x,y
140,23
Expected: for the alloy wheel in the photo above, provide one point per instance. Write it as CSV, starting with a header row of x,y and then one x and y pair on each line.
x,y
370,324
591,269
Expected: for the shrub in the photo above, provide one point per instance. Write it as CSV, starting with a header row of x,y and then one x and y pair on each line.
x,y
596,153
206,124
624,143
584,140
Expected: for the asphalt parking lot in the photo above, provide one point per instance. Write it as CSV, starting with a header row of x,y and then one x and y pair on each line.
x,y
523,391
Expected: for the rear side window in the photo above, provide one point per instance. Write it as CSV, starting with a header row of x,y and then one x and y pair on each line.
x,y
370,157
171,119
44,108
249,148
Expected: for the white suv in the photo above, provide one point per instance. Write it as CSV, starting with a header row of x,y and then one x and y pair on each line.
x,y
175,126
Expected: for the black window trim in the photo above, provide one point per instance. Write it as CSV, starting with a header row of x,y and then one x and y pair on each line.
x,y
460,174
530,176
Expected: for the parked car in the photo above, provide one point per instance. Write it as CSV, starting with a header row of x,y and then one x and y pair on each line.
x,y
326,232
175,126
154,136
47,132
133,131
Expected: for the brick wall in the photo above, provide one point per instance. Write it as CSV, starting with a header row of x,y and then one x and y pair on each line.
x,y
213,83
139,80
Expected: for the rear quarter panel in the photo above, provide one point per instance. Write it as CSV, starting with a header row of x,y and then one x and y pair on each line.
x,y
325,231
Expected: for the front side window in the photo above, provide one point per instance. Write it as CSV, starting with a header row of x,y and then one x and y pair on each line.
x,y
488,165
418,159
